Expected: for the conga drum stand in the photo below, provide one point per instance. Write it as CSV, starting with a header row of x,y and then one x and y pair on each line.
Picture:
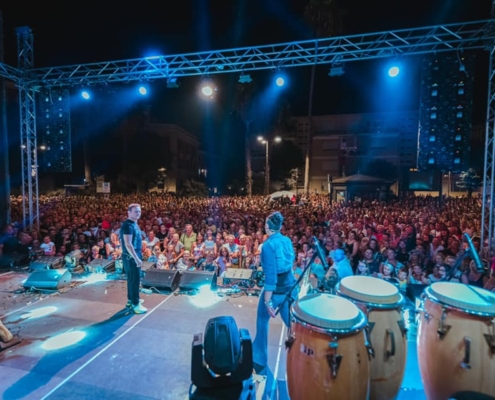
x,y
6,338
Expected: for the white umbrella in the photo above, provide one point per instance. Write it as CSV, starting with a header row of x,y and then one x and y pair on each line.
x,y
281,193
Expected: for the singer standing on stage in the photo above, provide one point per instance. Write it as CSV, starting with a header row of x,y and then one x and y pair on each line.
x,y
132,256
277,258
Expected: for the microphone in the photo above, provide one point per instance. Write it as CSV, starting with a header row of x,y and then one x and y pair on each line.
x,y
474,254
320,252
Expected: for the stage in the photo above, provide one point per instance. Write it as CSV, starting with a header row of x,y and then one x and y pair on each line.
x,y
123,355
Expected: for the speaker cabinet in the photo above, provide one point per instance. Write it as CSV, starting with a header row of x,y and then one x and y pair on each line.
x,y
47,262
51,279
148,265
167,279
192,280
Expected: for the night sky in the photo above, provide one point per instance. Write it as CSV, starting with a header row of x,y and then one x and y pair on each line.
x,y
82,32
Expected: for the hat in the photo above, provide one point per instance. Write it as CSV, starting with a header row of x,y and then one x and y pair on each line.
x,y
275,221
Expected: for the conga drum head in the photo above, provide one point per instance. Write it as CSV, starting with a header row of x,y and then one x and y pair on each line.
x,y
367,289
329,313
469,299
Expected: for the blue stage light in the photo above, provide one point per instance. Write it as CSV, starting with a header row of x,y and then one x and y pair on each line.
x,y
393,71
85,95
280,81
143,91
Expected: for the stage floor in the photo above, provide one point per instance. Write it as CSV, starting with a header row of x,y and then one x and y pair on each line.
x,y
123,355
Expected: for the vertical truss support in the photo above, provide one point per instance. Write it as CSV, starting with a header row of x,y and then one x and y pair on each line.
x,y
487,223
489,163
27,114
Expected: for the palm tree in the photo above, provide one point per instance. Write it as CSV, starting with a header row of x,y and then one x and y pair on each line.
x,y
243,106
469,180
321,15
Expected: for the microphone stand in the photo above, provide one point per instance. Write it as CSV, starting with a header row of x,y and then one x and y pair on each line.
x,y
289,298
288,295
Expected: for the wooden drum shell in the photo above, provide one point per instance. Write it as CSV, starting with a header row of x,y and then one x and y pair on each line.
x,y
442,362
309,375
387,335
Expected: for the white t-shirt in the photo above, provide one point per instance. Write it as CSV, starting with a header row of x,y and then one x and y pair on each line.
x,y
47,247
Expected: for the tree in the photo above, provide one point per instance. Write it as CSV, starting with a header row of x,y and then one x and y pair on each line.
x,y
290,182
192,188
286,156
243,107
323,18
469,180
383,169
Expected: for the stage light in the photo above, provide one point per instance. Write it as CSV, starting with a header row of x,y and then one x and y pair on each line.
x,y
143,91
245,78
222,366
393,72
336,70
85,95
280,81
64,340
39,312
172,83
207,90
204,297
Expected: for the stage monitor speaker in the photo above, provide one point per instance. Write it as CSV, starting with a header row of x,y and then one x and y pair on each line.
x,y
167,279
51,279
100,265
192,280
47,262
148,265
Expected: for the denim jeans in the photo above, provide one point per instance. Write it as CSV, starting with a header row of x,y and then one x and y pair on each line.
x,y
260,344
133,279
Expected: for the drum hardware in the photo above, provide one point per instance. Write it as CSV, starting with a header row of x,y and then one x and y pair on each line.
x,y
443,328
333,358
402,327
391,352
467,353
289,342
367,342
371,325
490,339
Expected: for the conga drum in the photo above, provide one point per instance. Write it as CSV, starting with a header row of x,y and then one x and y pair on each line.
x,y
382,304
5,335
456,340
328,356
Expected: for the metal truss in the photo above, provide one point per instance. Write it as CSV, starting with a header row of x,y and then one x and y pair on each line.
x,y
29,150
415,41
440,38
8,72
487,220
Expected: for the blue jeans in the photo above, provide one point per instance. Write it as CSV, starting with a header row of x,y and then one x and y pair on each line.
x,y
260,344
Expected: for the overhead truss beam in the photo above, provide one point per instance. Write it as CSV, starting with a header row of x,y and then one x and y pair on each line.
x,y
8,72
440,38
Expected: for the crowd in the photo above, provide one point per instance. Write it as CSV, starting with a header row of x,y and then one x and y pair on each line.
x,y
411,241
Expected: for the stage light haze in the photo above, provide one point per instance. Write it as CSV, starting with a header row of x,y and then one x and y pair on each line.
x,y
393,71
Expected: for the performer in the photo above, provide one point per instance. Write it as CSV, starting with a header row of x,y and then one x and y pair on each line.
x,y
277,258
130,235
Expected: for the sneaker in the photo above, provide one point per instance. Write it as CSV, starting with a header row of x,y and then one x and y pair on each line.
x,y
139,309
129,304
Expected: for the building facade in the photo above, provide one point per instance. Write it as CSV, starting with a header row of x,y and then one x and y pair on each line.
x,y
180,152
345,144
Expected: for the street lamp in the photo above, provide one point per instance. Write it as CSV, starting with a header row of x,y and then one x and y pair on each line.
x,y
262,140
